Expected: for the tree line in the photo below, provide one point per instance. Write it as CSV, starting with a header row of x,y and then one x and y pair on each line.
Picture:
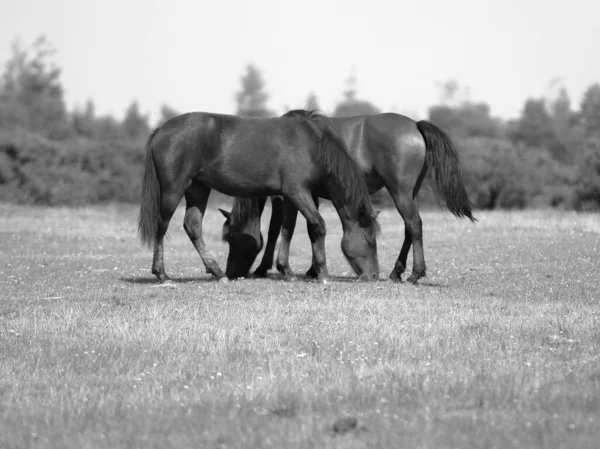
x,y
549,156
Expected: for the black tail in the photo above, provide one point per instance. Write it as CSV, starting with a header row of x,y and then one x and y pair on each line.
x,y
150,201
443,158
338,161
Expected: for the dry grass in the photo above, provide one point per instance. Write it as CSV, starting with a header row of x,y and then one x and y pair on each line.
x,y
498,346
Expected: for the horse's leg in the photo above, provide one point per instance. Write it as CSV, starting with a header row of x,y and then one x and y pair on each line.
x,y
196,198
274,228
312,271
290,214
400,266
168,204
283,257
304,202
413,234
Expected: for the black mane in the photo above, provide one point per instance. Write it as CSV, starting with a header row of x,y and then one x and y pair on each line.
x,y
339,163
243,211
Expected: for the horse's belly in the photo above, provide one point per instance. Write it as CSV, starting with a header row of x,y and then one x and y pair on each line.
x,y
374,182
235,181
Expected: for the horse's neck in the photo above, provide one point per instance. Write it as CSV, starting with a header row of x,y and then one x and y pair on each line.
x,y
348,213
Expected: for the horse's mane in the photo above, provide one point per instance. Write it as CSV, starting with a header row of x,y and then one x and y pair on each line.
x,y
339,163
243,210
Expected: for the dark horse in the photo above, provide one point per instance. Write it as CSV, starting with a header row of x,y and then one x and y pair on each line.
x,y
296,157
393,151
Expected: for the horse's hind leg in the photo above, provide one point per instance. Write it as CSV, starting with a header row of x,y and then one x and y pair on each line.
x,y
413,234
196,198
400,266
169,202
290,214
274,229
312,272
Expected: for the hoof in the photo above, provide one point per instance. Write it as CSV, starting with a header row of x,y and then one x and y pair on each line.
x,y
365,278
290,278
312,273
281,268
324,280
223,280
413,278
260,273
395,277
163,278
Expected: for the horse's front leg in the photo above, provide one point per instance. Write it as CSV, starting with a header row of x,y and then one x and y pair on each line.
x,y
304,202
274,229
312,272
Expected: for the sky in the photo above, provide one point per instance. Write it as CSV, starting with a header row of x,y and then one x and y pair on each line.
x,y
192,54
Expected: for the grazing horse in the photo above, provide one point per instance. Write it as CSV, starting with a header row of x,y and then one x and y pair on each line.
x,y
296,157
393,151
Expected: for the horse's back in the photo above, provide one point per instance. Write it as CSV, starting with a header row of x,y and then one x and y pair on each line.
x,y
388,147
193,127
400,148
395,131
193,138
239,156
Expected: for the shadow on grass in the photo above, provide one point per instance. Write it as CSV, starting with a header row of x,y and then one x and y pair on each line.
x,y
422,283
275,277
153,280
278,277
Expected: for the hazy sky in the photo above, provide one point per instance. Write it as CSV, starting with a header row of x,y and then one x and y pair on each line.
x,y
191,54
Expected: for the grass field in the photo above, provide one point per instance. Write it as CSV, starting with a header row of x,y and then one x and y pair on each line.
x,y
498,347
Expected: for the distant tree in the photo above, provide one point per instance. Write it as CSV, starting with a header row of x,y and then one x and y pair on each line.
x,y
252,99
590,110
311,102
351,106
84,120
560,111
108,128
452,94
466,120
561,115
588,175
104,128
31,94
461,117
568,132
536,128
167,113
135,124
493,174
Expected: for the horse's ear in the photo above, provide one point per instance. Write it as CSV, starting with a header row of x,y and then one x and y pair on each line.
x,y
225,213
376,214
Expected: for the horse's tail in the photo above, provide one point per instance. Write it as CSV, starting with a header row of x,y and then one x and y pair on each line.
x,y
337,160
150,201
443,158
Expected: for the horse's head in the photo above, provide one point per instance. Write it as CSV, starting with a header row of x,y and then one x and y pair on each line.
x,y
245,244
359,245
